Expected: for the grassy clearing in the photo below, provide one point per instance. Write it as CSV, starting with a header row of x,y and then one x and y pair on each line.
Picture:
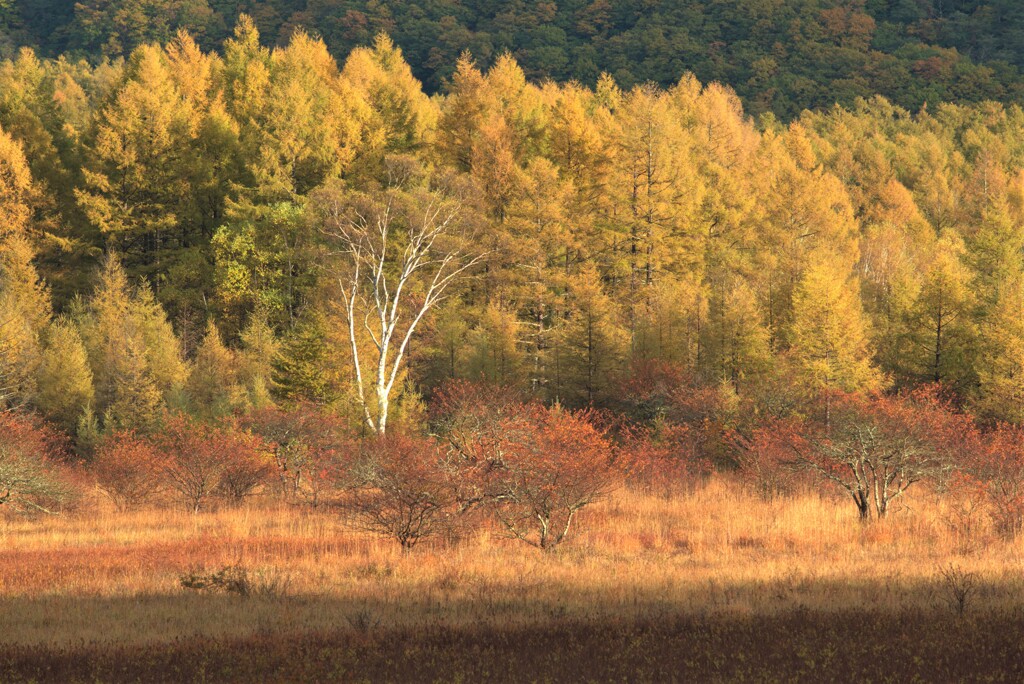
x,y
710,584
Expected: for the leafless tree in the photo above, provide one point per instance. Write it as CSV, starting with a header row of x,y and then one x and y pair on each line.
x,y
399,254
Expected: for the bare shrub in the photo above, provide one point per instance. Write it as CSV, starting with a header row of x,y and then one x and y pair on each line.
x,y
238,580
965,515
959,586
230,579
363,620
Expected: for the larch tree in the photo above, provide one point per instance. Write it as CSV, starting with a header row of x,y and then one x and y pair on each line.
x,y
303,368
495,355
24,301
494,166
265,257
300,122
131,188
994,251
64,378
446,342
580,144
667,321
400,116
940,325
30,115
24,315
1000,359
520,103
16,187
734,339
260,349
212,387
653,160
133,352
591,342
158,170
828,337
464,114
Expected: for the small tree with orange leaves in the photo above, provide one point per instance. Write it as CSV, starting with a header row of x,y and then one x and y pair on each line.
x,y
246,467
129,469
877,447
533,467
204,461
29,472
560,465
405,494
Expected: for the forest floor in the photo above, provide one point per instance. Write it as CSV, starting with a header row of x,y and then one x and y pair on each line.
x,y
708,585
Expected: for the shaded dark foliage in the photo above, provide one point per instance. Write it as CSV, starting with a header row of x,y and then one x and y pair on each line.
x,y
795,646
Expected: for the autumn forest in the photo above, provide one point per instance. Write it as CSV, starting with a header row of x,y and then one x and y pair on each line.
x,y
288,335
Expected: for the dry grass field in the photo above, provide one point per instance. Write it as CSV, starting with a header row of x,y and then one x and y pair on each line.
x,y
713,584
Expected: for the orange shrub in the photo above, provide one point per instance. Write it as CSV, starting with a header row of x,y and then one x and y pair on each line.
x,y
311,451
478,424
875,447
765,457
559,465
995,471
31,456
405,493
667,460
203,460
129,470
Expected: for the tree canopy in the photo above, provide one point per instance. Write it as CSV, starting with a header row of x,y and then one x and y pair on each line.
x,y
781,56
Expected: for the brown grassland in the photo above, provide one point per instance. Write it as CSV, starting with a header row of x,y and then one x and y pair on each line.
x,y
710,585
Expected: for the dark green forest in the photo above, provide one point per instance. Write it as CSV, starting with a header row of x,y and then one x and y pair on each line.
x,y
782,56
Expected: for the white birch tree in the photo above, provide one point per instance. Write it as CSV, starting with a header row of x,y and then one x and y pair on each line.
x,y
398,253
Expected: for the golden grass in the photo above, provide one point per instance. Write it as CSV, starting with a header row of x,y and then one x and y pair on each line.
x,y
104,576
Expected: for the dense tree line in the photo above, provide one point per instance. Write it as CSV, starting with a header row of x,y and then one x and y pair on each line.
x,y
780,55
199,247
178,231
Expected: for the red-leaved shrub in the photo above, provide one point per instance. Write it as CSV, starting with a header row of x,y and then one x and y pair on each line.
x,y
129,469
204,460
311,450
405,493
31,459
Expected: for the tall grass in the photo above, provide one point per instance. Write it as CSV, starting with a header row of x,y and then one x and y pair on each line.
x,y
102,576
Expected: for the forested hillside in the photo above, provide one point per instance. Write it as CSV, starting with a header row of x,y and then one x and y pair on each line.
x,y
779,55
178,232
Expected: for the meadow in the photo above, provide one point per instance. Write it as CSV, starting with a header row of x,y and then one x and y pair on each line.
x,y
709,584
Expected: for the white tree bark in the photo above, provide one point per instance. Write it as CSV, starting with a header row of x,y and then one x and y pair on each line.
x,y
395,267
